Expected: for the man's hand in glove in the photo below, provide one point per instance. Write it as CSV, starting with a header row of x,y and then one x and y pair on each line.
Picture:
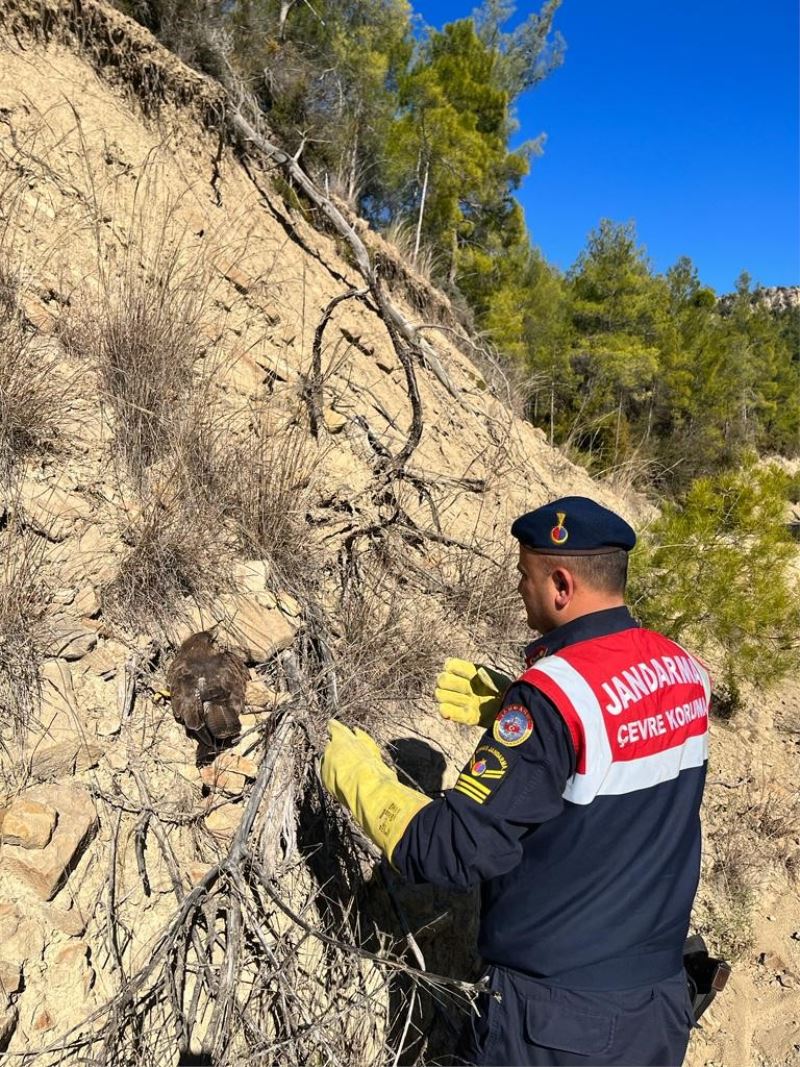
x,y
354,771
469,693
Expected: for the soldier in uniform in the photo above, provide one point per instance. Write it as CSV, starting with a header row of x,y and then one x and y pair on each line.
x,y
578,812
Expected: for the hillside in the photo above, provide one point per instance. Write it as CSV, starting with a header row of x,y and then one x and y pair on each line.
x,y
325,465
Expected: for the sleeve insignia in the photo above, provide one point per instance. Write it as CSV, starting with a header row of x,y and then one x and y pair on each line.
x,y
489,763
484,772
476,791
513,725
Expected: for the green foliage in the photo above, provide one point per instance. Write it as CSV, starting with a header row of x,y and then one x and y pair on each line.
x,y
634,368
616,307
449,165
716,571
526,310
525,55
627,369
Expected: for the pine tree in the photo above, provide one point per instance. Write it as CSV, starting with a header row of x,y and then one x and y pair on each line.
x,y
453,172
716,571
618,308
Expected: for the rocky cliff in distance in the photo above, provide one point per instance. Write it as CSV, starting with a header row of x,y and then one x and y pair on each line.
x,y
775,297
779,297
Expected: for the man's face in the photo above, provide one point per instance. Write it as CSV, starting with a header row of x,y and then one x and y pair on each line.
x,y
536,589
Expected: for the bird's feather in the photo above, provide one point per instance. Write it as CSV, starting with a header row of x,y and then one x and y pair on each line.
x,y
208,688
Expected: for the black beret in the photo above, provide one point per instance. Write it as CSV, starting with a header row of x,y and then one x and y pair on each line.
x,y
574,525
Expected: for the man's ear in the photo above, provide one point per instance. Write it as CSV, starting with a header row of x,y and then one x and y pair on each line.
x,y
564,585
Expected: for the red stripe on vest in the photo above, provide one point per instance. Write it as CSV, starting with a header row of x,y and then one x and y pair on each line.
x,y
566,710
649,689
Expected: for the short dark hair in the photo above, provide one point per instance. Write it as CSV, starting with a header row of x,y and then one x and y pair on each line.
x,y
606,571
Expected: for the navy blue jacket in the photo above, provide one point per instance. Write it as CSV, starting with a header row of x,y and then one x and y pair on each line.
x,y
585,896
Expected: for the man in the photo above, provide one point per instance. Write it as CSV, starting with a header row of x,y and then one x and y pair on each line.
x,y
578,813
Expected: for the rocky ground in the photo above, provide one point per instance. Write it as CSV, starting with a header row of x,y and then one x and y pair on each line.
x,y
114,183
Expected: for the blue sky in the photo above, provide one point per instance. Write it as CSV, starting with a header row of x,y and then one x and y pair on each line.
x,y
680,115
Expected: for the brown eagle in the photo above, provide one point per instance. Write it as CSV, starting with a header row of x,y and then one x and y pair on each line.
x,y
207,689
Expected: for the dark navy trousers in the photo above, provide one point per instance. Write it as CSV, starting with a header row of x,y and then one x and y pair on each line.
x,y
524,1021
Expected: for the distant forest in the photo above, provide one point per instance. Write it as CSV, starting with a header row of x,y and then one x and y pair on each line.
x,y
628,369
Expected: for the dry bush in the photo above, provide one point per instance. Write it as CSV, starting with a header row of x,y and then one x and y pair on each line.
x,y
481,594
146,343
259,963
24,598
266,495
391,645
170,556
31,397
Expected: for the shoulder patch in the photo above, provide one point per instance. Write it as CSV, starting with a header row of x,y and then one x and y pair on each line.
x,y
513,725
486,768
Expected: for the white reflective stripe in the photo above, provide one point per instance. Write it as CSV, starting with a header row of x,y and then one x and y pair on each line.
x,y
706,683
582,788
626,776
704,675
603,776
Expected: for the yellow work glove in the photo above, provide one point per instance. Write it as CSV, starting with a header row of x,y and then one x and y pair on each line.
x,y
353,770
469,693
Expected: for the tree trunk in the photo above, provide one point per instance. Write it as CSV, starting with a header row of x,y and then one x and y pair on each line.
x,y
286,7
422,200
616,436
451,274
352,180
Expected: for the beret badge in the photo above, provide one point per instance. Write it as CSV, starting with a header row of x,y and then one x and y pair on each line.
x,y
592,528
559,533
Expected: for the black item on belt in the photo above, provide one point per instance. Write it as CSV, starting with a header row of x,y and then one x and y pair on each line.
x,y
706,976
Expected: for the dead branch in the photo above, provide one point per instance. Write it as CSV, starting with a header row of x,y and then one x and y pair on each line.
x,y
312,391
249,135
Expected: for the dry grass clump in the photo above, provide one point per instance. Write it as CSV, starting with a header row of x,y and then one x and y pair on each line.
x,y
24,598
391,645
9,292
146,343
774,816
199,459
427,262
481,593
748,840
266,496
213,491
170,555
732,869
30,396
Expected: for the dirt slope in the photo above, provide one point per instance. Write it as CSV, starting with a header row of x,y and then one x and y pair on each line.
x,y
112,167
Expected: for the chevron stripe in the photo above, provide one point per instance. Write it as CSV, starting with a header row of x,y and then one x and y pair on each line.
x,y
461,787
475,784
475,790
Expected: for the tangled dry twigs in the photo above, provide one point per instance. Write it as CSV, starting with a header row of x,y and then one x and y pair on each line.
x,y
256,964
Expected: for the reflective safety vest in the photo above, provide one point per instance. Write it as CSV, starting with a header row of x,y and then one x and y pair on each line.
x,y
603,894
636,705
